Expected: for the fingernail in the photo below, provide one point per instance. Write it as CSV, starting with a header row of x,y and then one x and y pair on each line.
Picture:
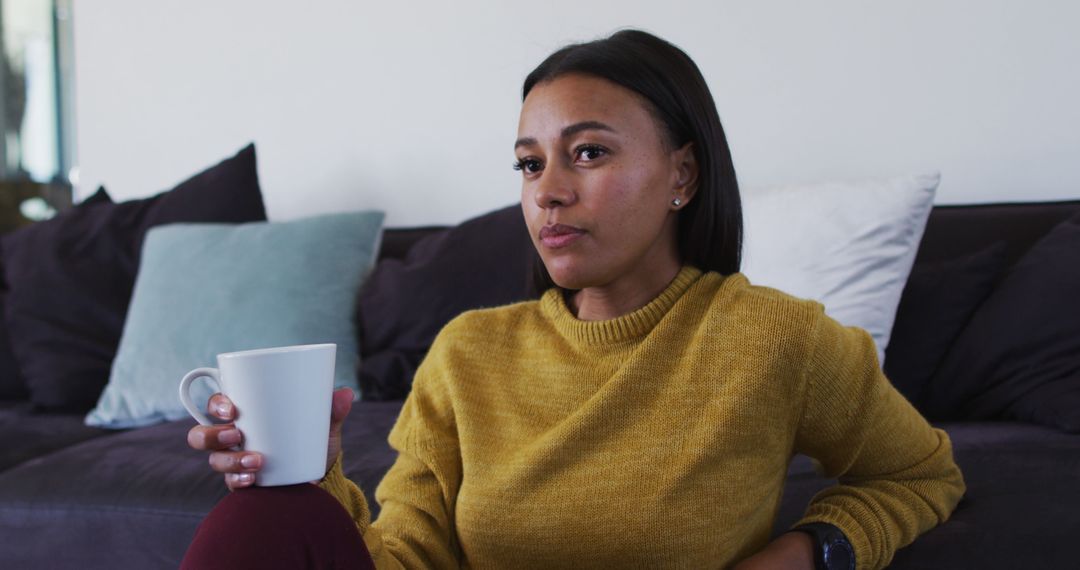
x,y
250,461
229,437
223,409
244,478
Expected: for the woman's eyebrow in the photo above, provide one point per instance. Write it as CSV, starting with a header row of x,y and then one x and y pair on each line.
x,y
576,128
569,131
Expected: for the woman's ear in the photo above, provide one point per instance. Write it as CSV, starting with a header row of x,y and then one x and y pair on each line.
x,y
685,167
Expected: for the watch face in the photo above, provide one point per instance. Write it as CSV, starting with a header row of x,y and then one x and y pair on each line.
x,y
838,555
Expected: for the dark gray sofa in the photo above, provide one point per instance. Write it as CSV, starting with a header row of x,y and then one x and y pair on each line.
x,y
77,497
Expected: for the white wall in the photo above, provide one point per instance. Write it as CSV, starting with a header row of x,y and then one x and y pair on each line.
x,y
412,107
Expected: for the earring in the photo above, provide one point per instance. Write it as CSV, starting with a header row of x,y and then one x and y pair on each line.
x,y
676,202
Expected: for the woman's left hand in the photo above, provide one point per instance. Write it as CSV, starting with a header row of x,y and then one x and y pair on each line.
x,y
789,551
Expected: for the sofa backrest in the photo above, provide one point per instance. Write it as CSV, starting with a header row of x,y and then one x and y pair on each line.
x,y
955,231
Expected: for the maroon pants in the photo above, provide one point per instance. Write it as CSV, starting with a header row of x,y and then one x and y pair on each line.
x,y
293,527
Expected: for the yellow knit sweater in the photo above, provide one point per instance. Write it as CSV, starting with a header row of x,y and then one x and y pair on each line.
x,y
659,439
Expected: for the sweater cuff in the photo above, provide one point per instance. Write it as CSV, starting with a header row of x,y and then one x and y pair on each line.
x,y
348,494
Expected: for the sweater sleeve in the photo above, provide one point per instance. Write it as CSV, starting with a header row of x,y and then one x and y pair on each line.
x,y
417,495
897,477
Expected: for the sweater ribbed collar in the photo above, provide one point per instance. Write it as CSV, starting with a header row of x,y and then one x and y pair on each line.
x,y
629,326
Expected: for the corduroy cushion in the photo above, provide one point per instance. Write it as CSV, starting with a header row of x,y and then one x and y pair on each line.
x,y
1019,356
938,301
484,262
70,278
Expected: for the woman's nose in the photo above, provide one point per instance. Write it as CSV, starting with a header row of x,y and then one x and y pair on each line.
x,y
555,188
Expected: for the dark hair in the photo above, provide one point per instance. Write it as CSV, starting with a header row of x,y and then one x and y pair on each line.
x,y
710,226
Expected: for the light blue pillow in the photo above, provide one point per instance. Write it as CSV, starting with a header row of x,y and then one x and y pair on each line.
x,y
205,289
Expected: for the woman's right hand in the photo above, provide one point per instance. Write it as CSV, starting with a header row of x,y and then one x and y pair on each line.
x,y
222,441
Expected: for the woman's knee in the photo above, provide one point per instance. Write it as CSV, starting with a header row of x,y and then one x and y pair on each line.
x,y
297,526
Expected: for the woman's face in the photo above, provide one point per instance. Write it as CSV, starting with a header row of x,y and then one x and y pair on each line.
x,y
598,183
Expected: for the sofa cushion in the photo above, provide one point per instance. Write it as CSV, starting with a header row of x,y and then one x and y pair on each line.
x,y
26,433
484,262
207,289
140,494
70,278
1019,356
938,301
849,245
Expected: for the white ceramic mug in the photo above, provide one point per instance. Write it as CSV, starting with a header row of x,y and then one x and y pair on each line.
x,y
282,398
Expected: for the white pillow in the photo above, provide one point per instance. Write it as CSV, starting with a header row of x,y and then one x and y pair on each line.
x,y
849,245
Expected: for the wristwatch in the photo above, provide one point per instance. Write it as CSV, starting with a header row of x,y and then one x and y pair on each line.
x,y
832,551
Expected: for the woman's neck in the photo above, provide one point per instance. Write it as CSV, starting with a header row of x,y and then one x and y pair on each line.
x,y
624,295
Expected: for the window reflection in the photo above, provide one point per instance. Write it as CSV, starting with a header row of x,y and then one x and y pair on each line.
x,y
35,86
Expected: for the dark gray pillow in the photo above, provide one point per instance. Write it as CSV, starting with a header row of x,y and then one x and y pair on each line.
x,y
937,302
1019,356
12,386
70,278
484,262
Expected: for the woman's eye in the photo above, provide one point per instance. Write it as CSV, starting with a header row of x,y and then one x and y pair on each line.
x,y
528,165
590,152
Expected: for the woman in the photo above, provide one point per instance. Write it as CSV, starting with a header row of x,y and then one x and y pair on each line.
x,y
643,412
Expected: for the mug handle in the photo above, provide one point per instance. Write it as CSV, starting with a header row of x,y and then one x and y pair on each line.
x,y
185,392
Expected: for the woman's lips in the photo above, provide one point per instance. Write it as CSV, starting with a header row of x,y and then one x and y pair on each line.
x,y
559,235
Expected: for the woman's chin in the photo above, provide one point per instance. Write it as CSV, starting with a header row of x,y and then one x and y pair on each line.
x,y
569,284
570,276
